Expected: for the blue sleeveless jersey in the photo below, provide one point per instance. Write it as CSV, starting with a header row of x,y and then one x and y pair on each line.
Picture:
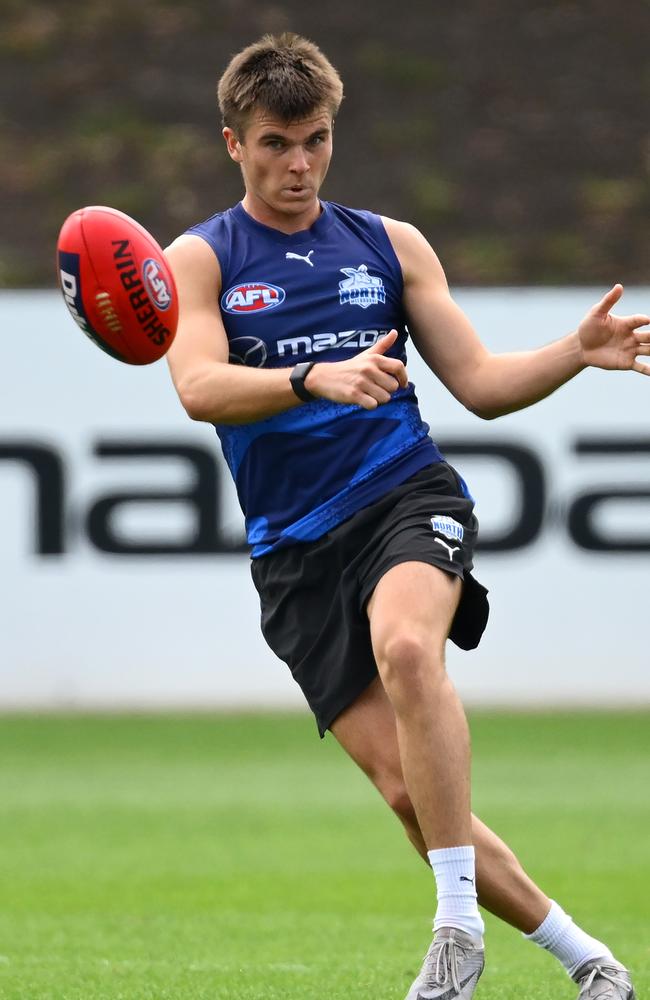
x,y
323,294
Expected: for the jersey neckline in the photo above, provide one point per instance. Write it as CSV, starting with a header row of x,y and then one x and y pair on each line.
x,y
322,223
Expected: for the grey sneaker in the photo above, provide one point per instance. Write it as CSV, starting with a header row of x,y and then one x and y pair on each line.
x,y
451,968
602,979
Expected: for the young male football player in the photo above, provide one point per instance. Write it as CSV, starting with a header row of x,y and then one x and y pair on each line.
x,y
293,325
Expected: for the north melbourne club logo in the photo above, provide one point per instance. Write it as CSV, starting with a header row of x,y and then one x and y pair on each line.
x,y
451,529
448,527
360,288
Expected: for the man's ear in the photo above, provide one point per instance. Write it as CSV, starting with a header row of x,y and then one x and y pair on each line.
x,y
233,145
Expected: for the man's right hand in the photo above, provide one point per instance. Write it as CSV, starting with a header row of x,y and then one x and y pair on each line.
x,y
367,380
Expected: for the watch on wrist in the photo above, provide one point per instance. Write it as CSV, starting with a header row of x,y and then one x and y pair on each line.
x,y
297,379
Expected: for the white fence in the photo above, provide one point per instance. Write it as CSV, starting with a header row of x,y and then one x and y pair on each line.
x,y
111,599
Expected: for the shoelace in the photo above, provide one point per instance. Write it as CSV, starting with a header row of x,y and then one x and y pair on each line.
x,y
446,967
611,974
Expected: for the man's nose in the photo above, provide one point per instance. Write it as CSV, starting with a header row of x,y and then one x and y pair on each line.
x,y
299,161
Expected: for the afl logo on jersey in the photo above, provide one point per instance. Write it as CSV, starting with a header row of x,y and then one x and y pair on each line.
x,y
252,297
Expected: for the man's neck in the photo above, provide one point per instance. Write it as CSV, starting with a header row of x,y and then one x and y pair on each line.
x,y
284,222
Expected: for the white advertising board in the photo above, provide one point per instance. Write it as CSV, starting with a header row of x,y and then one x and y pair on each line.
x,y
123,580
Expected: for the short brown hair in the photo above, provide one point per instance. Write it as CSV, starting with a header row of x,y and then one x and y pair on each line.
x,y
285,76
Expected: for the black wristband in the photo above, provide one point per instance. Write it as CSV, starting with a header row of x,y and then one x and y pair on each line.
x,y
297,379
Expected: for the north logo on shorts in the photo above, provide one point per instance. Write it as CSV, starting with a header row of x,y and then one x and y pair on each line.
x,y
447,527
252,297
360,288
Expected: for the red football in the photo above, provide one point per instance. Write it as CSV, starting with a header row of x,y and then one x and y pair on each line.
x,y
117,284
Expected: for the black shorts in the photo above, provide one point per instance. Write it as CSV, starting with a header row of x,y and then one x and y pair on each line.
x,y
313,596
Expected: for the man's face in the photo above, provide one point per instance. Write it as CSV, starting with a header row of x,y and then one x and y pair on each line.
x,y
283,165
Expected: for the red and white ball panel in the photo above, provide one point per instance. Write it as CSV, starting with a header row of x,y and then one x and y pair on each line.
x,y
117,284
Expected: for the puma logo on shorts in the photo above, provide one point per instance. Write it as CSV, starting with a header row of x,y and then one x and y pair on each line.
x,y
450,548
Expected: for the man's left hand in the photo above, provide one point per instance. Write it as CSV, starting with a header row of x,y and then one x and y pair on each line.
x,y
614,342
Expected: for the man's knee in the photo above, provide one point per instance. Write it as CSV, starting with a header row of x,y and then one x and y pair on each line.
x,y
409,662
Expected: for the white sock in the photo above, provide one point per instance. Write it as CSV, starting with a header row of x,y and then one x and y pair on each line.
x,y
454,870
564,939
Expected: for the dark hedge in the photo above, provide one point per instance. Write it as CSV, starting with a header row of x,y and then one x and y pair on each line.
x,y
515,135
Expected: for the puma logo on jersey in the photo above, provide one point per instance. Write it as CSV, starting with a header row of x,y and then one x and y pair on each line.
x,y
296,256
450,548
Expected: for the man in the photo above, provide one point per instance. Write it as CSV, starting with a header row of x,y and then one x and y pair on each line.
x,y
293,316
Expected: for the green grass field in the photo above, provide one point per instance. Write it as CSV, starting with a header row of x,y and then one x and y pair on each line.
x,y
221,857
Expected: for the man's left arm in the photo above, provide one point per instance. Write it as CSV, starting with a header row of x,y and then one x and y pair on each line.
x,y
491,385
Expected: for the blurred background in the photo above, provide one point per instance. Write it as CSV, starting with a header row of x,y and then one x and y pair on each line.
x,y
514,135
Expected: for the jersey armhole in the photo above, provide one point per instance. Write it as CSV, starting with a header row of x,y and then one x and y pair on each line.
x,y
219,252
391,251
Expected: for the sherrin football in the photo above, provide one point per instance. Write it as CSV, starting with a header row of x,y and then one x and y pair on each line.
x,y
117,284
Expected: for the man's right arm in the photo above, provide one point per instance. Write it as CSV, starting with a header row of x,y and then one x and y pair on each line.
x,y
215,391
208,386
